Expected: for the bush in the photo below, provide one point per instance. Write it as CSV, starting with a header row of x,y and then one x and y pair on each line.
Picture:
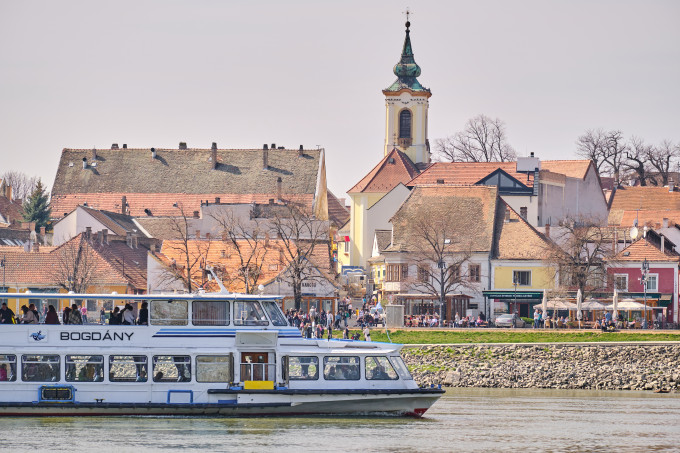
x,y
529,321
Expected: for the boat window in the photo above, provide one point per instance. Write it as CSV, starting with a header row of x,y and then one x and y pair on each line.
x,y
171,368
169,312
303,368
401,368
249,313
84,368
214,368
379,368
274,313
8,368
128,368
210,313
341,368
40,368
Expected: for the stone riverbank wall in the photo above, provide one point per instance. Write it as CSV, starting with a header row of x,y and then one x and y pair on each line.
x,y
553,366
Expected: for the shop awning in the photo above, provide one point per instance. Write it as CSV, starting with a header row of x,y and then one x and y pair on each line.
x,y
513,294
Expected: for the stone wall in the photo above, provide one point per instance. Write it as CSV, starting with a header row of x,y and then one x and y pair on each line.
x,y
554,366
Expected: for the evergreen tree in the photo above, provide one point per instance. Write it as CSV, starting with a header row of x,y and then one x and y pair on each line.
x,y
36,207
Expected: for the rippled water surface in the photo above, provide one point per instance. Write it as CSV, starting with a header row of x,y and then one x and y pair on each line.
x,y
463,420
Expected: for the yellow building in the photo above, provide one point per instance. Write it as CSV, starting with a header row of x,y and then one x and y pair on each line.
x,y
519,272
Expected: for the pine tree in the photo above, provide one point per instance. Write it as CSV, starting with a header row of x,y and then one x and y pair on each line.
x,y
36,207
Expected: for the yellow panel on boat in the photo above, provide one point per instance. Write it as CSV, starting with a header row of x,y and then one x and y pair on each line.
x,y
258,385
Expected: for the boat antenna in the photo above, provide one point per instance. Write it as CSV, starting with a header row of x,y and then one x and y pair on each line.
x,y
211,275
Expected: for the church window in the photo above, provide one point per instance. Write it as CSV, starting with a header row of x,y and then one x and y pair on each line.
x,y
405,124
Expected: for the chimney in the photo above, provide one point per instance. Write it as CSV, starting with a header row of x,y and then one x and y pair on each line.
x,y
207,235
531,154
94,152
665,222
123,204
198,234
84,163
182,145
124,145
671,185
8,192
114,146
214,155
128,238
547,230
342,202
271,201
99,237
135,240
105,236
36,247
663,243
279,189
507,215
265,146
301,151
153,153
273,146
217,200
196,216
88,232
265,159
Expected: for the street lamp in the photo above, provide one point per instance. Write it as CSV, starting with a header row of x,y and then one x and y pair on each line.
x,y
442,266
643,279
514,282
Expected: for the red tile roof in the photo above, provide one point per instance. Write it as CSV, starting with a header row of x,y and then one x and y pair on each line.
x,y
571,168
11,210
337,212
517,239
159,204
659,202
394,168
650,218
643,249
468,173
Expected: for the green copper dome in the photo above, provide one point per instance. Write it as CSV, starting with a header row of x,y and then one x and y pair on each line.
x,y
407,69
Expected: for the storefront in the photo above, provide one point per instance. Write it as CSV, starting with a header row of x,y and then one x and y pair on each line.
x,y
521,302
423,304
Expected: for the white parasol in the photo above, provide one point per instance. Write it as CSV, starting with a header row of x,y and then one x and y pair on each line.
x,y
579,306
615,304
544,304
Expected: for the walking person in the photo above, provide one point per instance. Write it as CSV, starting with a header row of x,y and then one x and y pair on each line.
x,y
537,317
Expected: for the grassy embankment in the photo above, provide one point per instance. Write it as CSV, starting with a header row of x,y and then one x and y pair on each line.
x,y
459,336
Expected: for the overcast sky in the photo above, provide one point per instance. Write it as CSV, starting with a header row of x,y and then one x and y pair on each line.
x,y
78,74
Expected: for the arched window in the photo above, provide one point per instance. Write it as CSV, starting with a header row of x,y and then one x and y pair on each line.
x,y
405,124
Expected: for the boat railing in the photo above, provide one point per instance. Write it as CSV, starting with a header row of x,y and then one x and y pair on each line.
x,y
258,371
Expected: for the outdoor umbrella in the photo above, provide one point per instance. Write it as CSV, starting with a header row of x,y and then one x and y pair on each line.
x,y
615,304
592,304
579,306
626,305
558,304
544,303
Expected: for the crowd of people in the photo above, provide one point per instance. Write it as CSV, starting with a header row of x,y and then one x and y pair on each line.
x,y
73,314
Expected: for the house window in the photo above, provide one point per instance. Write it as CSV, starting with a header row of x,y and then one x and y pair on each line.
x,y
621,282
475,272
653,282
273,267
346,248
405,124
523,212
423,274
397,272
521,278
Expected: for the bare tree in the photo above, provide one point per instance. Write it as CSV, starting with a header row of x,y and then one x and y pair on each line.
x,y
482,140
22,184
607,149
438,256
663,158
76,265
192,251
300,235
582,248
636,159
250,241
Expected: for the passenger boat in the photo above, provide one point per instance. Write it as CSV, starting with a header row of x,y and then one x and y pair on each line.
x,y
208,354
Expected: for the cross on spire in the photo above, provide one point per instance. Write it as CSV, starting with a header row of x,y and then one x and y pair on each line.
x,y
407,13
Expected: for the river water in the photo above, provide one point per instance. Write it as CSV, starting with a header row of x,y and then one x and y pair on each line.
x,y
462,420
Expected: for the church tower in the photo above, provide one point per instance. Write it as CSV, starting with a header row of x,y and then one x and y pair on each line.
x,y
407,103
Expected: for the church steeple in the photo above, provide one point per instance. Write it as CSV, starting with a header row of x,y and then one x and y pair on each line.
x,y
407,69
407,104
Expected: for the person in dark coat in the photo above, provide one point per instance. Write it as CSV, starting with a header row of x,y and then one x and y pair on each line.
x,y
52,316
6,314
115,317
64,315
143,314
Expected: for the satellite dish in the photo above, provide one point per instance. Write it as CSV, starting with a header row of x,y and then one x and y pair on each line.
x,y
634,233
